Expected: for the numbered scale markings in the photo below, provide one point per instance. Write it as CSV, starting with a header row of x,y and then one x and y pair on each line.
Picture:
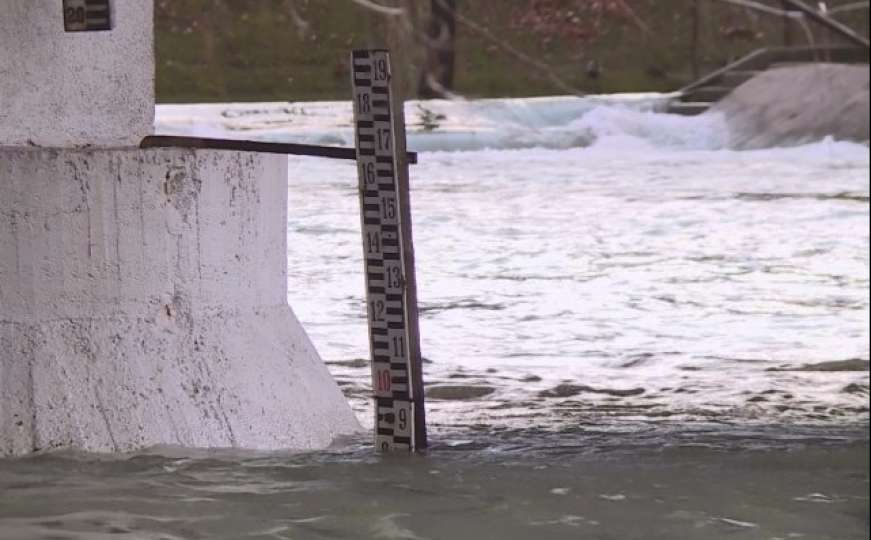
x,y
390,336
87,15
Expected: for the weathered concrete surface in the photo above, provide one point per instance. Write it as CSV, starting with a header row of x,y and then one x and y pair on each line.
x,y
143,301
75,89
798,104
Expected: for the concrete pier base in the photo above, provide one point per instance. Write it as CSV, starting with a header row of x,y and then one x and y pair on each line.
x,y
75,89
143,302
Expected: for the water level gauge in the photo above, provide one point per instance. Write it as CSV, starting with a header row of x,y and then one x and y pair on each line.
x,y
388,255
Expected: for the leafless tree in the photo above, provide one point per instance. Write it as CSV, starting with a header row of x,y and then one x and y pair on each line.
x,y
437,76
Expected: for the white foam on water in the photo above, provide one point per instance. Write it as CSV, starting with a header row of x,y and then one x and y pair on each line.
x,y
620,122
569,238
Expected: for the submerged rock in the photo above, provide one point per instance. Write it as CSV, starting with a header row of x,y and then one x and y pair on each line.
x,y
458,392
355,363
852,364
569,390
853,388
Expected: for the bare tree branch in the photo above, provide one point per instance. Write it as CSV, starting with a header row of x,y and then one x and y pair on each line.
x,y
639,22
378,8
764,9
302,25
482,31
437,76
519,55
849,7
797,16
445,93
808,34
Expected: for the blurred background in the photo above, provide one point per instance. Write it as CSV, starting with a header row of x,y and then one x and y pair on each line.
x,y
262,50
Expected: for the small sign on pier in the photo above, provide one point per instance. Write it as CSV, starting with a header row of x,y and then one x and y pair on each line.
x,y
87,15
388,255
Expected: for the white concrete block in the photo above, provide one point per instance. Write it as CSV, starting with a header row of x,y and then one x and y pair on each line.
x,y
143,301
68,89
798,104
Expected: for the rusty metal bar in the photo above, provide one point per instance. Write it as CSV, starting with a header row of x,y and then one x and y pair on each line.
x,y
334,152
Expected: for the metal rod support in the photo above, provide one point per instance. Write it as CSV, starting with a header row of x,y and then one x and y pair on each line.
x,y
334,152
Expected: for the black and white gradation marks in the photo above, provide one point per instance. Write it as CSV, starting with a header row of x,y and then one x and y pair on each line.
x,y
382,249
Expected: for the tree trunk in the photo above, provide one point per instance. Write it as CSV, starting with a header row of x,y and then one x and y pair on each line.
x,y
694,40
401,40
437,77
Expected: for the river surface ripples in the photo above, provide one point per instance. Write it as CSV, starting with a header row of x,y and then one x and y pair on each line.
x,y
640,336
568,287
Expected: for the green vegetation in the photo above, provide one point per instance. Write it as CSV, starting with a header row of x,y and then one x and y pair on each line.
x,y
262,50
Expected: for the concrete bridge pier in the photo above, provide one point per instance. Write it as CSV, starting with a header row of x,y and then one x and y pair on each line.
x,y
143,293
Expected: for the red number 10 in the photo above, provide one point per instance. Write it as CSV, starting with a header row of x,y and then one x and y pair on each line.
x,y
382,380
